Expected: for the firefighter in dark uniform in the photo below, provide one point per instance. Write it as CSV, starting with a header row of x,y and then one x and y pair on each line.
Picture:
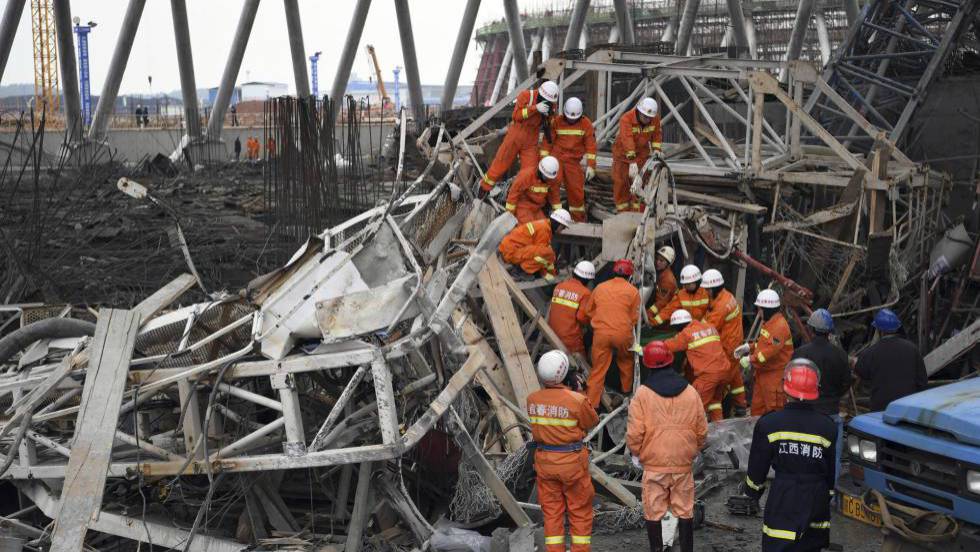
x,y
798,442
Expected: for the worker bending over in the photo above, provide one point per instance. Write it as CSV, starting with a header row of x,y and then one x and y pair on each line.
x,y
798,444
666,286
530,110
613,311
573,137
666,430
893,366
691,297
710,368
640,135
533,189
560,419
529,245
768,355
567,313
725,314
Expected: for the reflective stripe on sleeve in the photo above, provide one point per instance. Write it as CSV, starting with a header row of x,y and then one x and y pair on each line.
x,y
703,341
714,406
488,181
698,303
657,320
733,315
621,206
796,436
555,206
544,153
779,533
590,156
820,525
544,262
762,357
577,209
524,113
738,390
764,333
752,485
561,422
510,207
631,154
530,228
656,145
565,302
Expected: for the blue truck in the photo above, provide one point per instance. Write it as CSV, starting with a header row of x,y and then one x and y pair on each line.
x,y
924,451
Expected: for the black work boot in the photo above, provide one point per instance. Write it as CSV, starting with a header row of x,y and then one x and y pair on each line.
x,y
686,529
655,533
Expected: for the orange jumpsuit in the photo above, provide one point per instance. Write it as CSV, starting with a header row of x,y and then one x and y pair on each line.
x,y
695,303
561,417
528,194
708,363
725,314
634,144
769,355
665,292
270,148
529,245
567,313
613,311
521,139
569,143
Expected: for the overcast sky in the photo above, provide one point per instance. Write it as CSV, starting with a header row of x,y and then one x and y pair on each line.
x,y
212,26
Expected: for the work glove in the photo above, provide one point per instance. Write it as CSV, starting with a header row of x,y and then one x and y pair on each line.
x,y
548,277
634,170
636,462
742,350
589,173
543,108
745,362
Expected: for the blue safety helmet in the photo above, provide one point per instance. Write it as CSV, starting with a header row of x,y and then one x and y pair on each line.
x,y
887,321
821,321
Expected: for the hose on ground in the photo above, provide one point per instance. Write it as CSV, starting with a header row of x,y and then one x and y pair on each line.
x,y
52,328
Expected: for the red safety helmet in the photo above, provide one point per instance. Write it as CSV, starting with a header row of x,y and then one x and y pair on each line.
x,y
656,355
801,379
623,267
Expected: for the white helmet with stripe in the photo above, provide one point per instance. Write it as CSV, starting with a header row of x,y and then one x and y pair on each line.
x,y
690,274
647,106
680,317
585,269
767,299
667,252
552,367
548,166
712,279
561,216
573,109
549,91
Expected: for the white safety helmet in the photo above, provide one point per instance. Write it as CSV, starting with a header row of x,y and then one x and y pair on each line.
x,y
548,167
585,269
768,299
667,252
549,91
573,109
647,106
712,279
690,274
552,367
562,217
680,317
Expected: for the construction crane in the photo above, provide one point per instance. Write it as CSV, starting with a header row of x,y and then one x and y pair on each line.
x,y
46,95
385,99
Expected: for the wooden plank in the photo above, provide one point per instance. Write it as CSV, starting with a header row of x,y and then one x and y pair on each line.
x,y
952,348
510,339
613,486
362,508
737,206
163,297
91,451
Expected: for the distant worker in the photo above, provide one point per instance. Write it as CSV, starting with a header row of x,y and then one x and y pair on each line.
x,y
238,149
560,419
725,314
835,371
139,116
252,148
798,444
893,366
666,286
612,311
528,245
270,148
568,302
533,189
530,111
234,115
691,297
573,137
709,364
640,135
768,355
666,430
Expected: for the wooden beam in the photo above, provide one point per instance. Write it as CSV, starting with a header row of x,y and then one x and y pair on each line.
x,y
163,297
362,508
737,206
91,451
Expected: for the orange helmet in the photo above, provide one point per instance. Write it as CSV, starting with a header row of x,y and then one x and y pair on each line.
x,y
623,267
656,355
801,379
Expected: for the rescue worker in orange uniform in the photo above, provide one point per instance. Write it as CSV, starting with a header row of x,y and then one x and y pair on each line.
x,y
691,297
567,314
530,109
560,419
709,364
768,355
533,188
666,431
725,314
529,245
666,287
640,135
573,137
612,311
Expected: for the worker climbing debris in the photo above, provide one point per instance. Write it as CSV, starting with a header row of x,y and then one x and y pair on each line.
x,y
640,136
725,314
572,139
534,189
560,419
710,370
767,355
568,306
666,282
612,311
665,433
528,245
690,297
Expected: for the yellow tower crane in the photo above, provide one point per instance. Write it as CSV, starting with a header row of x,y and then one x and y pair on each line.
x,y
46,94
385,99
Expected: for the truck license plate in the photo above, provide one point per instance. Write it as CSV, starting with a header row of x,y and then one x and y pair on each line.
x,y
853,507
